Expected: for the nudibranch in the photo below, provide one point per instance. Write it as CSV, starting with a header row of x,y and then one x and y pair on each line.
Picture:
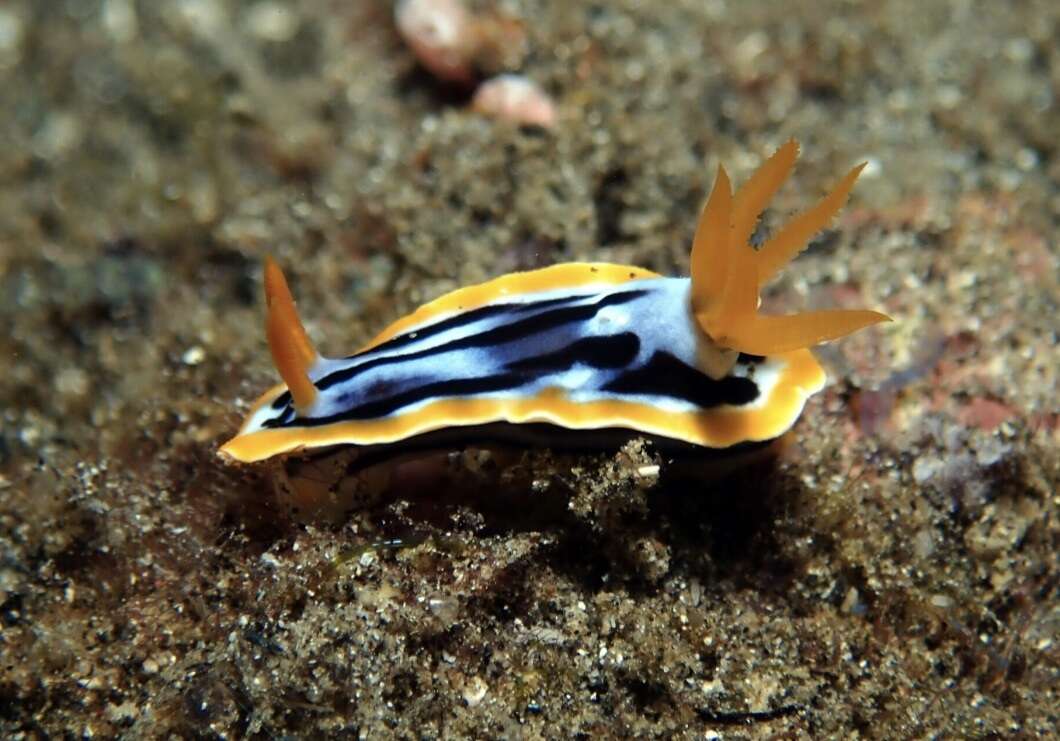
x,y
589,347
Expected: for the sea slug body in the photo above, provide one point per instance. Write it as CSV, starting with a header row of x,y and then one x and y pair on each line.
x,y
589,348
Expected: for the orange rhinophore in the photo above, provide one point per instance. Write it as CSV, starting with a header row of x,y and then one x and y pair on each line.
x,y
727,273
292,351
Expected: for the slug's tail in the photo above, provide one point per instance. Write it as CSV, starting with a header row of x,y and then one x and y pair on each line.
x,y
292,351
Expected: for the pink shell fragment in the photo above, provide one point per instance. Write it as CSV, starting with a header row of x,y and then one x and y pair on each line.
x,y
442,35
515,99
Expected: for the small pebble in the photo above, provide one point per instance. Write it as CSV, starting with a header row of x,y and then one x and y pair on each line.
x,y
941,601
925,468
475,691
515,99
272,21
990,451
193,356
648,472
442,36
445,608
923,543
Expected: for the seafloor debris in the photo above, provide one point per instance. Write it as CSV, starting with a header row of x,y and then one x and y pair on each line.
x,y
442,35
457,46
516,99
460,48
